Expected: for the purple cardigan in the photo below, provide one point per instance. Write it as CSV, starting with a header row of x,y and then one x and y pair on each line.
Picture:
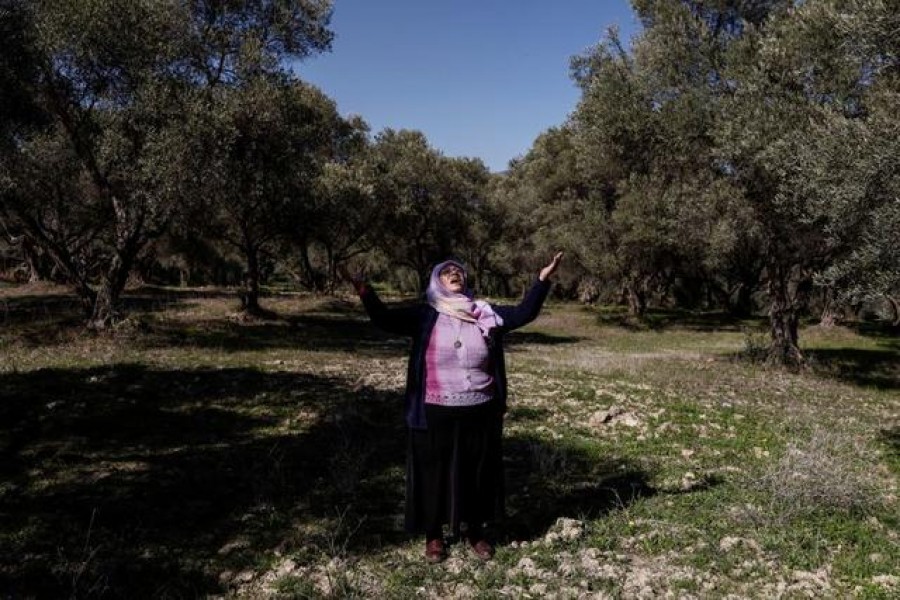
x,y
418,321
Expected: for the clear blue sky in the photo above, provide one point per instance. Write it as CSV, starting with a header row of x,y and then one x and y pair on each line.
x,y
480,78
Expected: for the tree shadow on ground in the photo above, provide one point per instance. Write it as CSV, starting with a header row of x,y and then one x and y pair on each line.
x,y
663,319
130,481
891,437
125,481
885,331
859,366
35,307
548,480
323,333
52,320
537,338
347,331
335,324
66,307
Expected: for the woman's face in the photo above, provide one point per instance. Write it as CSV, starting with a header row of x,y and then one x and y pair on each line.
x,y
453,279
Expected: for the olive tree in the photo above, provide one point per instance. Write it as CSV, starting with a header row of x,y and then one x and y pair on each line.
x,y
661,209
793,134
538,207
113,81
341,220
428,200
846,169
265,142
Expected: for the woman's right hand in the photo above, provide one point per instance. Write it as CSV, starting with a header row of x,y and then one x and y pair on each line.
x,y
550,269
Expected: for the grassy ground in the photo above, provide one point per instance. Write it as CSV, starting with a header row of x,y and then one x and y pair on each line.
x,y
193,453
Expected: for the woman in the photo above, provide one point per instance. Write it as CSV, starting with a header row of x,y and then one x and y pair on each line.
x,y
455,400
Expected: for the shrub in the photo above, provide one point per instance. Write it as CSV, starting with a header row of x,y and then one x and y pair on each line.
x,y
829,472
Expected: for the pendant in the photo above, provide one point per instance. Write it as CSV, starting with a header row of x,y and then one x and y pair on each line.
x,y
457,344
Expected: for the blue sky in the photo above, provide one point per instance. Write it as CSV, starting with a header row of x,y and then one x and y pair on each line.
x,y
480,78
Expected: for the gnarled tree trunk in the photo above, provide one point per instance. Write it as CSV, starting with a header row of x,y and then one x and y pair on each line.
x,y
787,292
637,301
741,301
312,278
250,293
106,308
635,293
895,307
831,313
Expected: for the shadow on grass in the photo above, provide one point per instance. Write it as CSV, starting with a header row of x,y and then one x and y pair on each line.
x,y
324,333
662,319
548,480
54,319
65,307
891,437
327,332
539,339
864,367
132,482
126,481
882,330
335,325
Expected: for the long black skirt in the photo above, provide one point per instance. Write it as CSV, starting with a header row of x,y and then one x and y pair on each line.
x,y
454,469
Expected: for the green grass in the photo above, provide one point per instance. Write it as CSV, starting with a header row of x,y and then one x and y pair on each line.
x,y
191,452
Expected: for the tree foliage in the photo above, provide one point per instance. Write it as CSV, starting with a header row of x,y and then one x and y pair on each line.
x,y
716,151
265,143
114,80
428,199
736,154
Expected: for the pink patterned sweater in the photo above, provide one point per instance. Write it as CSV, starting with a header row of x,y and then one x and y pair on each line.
x,y
457,364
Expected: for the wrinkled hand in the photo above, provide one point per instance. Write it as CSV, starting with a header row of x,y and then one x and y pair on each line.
x,y
551,268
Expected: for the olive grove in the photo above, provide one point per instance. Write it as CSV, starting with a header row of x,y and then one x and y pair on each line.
x,y
735,155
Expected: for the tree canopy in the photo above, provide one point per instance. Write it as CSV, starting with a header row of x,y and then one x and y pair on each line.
x,y
735,155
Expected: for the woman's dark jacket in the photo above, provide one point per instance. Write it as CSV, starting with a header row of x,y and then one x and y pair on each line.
x,y
418,322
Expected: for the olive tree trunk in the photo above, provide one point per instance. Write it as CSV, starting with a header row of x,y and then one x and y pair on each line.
x,y
787,292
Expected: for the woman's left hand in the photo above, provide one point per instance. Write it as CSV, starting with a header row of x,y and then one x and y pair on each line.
x,y
551,268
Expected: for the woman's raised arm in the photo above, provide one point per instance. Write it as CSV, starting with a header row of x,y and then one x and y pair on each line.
x,y
402,321
528,309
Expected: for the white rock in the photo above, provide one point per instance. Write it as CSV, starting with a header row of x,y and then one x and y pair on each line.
x,y
886,581
244,576
728,543
629,420
286,568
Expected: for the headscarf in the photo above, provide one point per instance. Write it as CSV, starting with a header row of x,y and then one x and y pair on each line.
x,y
461,306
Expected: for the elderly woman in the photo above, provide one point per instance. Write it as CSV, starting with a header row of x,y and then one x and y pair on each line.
x,y
455,400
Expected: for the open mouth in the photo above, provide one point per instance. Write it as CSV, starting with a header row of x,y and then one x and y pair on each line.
x,y
454,281
452,277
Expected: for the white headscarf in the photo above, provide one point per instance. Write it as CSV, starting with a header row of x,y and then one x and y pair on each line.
x,y
461,306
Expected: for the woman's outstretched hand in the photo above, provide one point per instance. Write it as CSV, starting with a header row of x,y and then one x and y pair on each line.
x,y
551,268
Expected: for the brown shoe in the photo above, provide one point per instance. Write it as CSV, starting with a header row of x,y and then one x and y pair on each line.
x,y
434,551
482,549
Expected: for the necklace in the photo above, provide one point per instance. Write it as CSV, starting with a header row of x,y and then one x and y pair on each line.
x,y
457,326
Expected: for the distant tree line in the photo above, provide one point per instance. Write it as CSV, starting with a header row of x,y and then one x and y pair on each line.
x,y
739,155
